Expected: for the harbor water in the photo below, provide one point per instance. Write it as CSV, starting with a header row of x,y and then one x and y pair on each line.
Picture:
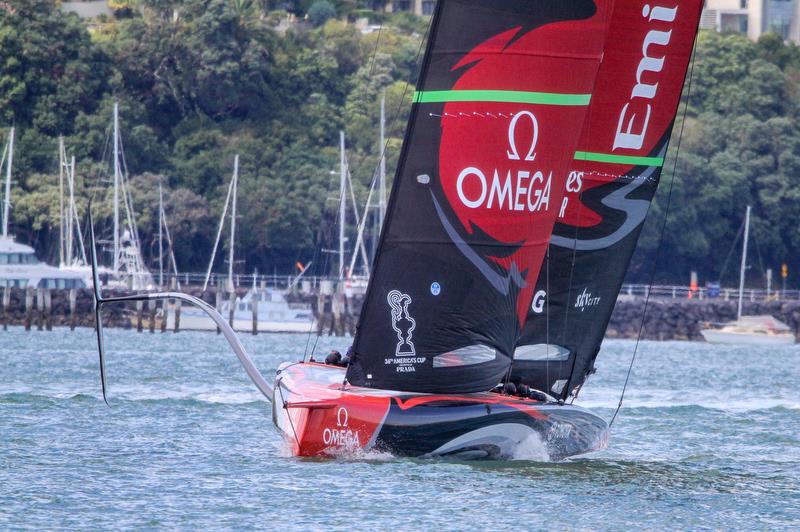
x,y
708,438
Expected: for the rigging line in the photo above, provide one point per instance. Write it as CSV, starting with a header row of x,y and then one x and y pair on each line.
x,y
396,115
325,264
661,235
375,50
547,323
284,404
565,392
730,251
219,235
399,107
758,252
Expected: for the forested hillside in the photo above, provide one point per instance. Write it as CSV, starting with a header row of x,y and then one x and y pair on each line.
x,y
201,80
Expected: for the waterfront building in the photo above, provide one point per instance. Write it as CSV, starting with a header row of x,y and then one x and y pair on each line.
x,y
754,17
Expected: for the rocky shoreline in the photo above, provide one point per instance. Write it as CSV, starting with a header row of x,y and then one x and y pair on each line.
x,y
682,319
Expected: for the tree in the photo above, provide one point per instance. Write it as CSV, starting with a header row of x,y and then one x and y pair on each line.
x,y
320,12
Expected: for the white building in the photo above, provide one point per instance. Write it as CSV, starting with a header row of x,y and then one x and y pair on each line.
x,y
418,7
754,17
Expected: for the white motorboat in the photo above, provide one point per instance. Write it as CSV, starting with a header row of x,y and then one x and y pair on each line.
x,y
274,313
20,268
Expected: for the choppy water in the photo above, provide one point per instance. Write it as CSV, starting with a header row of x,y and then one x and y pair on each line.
x,y
709,438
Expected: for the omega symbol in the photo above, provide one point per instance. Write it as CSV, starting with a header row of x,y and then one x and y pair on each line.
x,y
512,141
342,417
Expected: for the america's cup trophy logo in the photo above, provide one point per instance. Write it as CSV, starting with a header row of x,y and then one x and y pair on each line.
x,y
402,322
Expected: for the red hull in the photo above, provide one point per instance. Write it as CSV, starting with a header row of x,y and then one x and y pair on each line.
x,y
319,416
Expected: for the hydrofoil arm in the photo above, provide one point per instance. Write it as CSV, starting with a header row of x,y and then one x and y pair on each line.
x,y
241,353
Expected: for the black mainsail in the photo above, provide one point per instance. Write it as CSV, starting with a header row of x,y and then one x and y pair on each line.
x,y
503,92
608,191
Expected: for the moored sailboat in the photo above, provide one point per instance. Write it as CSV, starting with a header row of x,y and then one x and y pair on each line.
x,y
749,330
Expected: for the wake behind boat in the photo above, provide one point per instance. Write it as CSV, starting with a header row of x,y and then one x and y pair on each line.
x,y
532,120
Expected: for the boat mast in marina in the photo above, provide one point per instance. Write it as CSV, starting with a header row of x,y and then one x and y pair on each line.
x,y
382,165
115,266
229,200
69,224
163,231
9,152
61,229
233,221
160,236
743,266
342,202
127,262
346,182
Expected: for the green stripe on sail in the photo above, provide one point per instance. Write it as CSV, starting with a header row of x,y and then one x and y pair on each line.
x,y
544,98
618,159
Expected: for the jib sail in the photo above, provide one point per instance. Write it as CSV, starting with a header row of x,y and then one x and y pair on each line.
x,y
614,176
503,92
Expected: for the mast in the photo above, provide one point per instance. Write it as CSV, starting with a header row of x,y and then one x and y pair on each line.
x,y
233,220
74,223
342,203
7,195
160,236
219,235
66,216
382,176
116,188
61,232
744,262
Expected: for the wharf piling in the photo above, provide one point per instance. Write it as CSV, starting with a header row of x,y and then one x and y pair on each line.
x,y
218,305
177,326
255,316
151,315
231,307
6,304
139,315
73,303
164,315
28,308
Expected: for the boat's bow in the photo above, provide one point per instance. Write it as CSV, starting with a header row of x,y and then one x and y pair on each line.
x,y
319,416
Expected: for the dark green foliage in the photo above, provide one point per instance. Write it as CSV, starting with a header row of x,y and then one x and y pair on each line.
x,y
320,12
199,81
741,146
